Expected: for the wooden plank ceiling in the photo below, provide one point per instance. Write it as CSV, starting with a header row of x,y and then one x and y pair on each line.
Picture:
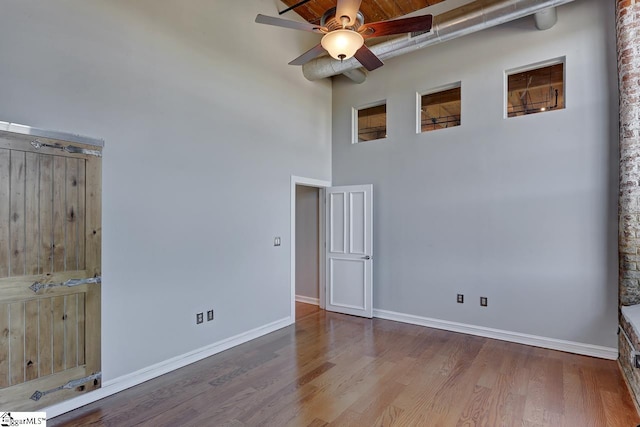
x,y
373,10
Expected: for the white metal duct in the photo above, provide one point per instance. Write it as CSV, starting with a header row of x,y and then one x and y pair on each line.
x,y
455,23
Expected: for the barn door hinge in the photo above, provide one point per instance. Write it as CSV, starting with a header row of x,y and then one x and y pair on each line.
x,y
68,386
67,148
69,283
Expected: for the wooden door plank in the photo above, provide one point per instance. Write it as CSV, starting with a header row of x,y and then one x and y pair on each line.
x,y
46,214
32,228
16,342
17,214
81,328
93,264
58,334
71,331
81,213
4,345
59,166
93,202
71,213
45,341
4,212
31,340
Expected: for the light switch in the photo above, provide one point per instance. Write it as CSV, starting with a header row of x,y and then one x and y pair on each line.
x,y
276,241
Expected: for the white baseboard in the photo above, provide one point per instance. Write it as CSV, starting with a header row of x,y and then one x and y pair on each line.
x,y
307,300
516,337
126,381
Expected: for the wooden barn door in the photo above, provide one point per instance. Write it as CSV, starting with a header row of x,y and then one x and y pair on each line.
x,y
50,237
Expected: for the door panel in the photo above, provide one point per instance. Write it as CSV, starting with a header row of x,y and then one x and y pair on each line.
x,y
34,325
357,228
337,217
43,213
350,250
48,200
346,279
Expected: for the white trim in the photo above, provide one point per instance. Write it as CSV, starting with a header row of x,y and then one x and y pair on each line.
x,y
499,334
309,182
308,300
145,374
322,249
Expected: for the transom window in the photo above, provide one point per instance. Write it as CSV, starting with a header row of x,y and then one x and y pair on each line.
x,y
536,89
370,123
440,108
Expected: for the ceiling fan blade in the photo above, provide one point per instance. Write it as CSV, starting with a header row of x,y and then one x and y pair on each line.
x,y
308,55
348,8
397,26
368,59
279,22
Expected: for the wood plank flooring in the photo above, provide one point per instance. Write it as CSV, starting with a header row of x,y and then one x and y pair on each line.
x,y
336,370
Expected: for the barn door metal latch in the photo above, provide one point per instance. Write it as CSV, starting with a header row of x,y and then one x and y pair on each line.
x,y
67,148
69,283
68,386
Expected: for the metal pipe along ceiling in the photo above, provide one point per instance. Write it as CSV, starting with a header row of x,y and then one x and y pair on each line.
x,y
467,19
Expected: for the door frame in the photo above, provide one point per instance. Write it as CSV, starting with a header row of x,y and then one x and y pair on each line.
x,y
321,185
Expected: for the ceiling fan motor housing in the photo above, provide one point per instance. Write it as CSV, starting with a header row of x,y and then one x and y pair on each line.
x,y
331,22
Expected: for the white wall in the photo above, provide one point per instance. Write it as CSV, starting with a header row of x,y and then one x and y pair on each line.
x,y
204,124
522,210
307,256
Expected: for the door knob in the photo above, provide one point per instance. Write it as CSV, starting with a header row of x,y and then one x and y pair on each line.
x,y
366,257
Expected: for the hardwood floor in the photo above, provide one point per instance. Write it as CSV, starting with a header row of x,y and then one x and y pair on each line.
x,y
337,370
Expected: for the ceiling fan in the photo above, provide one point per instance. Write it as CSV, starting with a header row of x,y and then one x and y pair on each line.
x,y
344,32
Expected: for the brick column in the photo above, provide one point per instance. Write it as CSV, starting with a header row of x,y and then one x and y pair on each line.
x,y
628,46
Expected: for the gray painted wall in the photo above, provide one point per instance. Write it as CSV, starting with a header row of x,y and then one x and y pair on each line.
x,y
204,124
307,256
522,210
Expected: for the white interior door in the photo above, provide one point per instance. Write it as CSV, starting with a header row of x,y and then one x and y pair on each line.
x,y
349,250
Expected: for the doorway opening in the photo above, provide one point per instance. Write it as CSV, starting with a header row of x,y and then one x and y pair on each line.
x,y
307,244
344,246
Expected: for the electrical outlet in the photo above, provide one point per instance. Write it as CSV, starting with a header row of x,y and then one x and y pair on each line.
x,y
483,301
460,299
209,315
276,241
199,318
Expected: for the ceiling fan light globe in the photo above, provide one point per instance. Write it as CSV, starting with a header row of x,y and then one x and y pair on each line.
x,y
342,44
